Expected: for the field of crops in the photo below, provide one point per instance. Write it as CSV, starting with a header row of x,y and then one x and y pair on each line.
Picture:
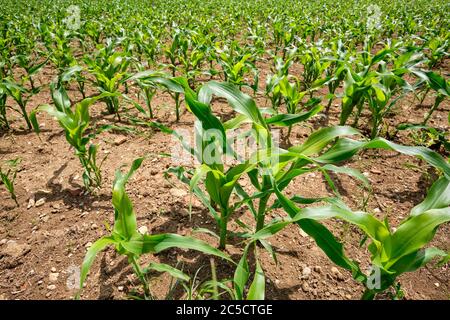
x,y
206,149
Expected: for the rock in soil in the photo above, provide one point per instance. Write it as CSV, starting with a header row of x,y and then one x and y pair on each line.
x,y
14,249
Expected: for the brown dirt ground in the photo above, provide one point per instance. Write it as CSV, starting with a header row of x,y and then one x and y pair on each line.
x,y
57,232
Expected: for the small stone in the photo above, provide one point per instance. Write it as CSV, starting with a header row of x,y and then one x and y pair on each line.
x,y
305,287
120,140
437,284
318,269
40,282
88,245
143,230
53,269
56,206
376,210
306,272
40,202
15,250
51,287
366,174
277,282
375,171
31,202
179,193
94,226
84,213
3,241
349,297
53,276
120,288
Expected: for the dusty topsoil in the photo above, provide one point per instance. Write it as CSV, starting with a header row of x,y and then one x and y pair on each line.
x,y
43,245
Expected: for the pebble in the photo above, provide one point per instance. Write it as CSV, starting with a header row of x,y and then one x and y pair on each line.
x,y
375,171
318,269
88,245
40,202
376,210
143,230
51,287
120,140
31,202
53,269
334,271
305,287
437,284
94,226
3,241
277,282
53,276
306,272
120,288
14,249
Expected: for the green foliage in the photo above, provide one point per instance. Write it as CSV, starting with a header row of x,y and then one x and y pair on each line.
x,y
129,242
8,177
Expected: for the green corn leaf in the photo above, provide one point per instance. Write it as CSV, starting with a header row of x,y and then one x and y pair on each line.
x,y
321,138
415,232
438,197
346,148
162,267
98,246
241,275
125,218
285,120
161,242
258,287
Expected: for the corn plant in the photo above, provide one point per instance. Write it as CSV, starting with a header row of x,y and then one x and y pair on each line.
x,y
393,252
4,123
221,182
75,124
21,96
129,242
30,65
149,82
109,68
74,72
439,85
236,63
8,177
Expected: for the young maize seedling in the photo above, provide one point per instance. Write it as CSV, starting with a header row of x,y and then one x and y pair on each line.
x,y
21,96
8,177
220,182
109,68
129,242
75,124
149,81
393,252
438,84
4,123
